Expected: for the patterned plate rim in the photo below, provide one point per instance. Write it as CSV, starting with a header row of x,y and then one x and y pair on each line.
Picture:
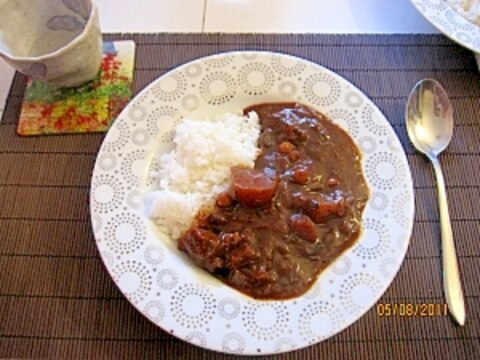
x,y
450,23
404,238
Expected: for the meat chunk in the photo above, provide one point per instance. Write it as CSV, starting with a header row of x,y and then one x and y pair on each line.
x,y
222,254
253,188
295,134
302,226
243,255
321,207
203,247
300,175
248,278
286,147
297,200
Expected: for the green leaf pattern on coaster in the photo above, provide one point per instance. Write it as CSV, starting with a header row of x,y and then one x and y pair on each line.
x,y
87,108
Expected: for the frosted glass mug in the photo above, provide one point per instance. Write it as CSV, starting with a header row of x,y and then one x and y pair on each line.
x,y
55,41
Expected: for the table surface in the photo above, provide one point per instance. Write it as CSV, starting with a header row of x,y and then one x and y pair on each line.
x,y
56,297
247,16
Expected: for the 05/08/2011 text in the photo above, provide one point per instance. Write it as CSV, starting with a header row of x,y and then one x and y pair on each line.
x,y
411,309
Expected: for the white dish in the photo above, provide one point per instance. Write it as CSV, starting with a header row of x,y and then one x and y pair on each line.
x,y
449,22
166,287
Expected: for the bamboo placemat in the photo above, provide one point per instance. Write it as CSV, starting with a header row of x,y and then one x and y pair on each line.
x,y
57,300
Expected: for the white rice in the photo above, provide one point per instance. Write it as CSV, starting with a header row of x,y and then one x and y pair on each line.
x,y
469,9
198,169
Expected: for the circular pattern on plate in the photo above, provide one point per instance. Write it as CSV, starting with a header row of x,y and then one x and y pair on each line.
x,y
375,242
197,338
229,308
384,170
137,113
379,201
160,117
125,233
154,254
185,301
155,311
353,99
107,161
356,291
117,137
167,279
401,208
284,344
287,89
448,21
233,343
371,123
170,87
317,321
435,4
367,144
217,88
193,70
287,66
140,137
134,199
133,166
192,306
446,26
458,22
134,279
106,194
190,102
342,265
265,321
255,78
321,89
387,267
219,61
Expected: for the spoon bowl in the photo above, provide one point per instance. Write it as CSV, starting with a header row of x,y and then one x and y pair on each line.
x,y
429,118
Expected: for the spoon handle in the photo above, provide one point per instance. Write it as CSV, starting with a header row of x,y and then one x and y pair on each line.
x,y
451,274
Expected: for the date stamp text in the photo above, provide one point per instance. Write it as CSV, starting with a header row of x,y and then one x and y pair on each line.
x,y
411,309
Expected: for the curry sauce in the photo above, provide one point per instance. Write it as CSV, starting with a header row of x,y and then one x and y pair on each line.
x,y
289,217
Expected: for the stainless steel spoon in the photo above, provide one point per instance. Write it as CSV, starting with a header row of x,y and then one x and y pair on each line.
x,y
429,117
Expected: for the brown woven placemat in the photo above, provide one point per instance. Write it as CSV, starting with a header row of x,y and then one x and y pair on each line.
x,y
57,300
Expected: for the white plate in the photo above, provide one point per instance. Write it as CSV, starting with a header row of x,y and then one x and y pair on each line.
x,y
448,21
165,286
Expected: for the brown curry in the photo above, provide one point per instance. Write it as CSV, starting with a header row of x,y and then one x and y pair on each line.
x,y
288,218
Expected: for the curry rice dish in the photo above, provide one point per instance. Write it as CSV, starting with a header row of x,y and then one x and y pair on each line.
x,y
280,223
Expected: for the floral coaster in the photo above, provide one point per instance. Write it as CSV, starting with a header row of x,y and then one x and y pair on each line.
x,y
88,108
